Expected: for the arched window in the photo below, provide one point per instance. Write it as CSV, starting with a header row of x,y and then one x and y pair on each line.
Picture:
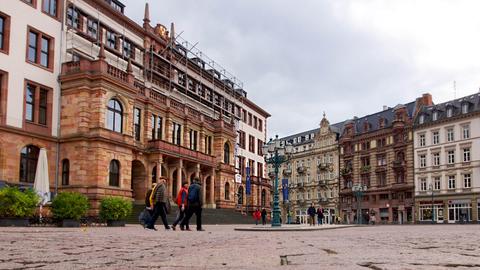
x,y
114,173
449,112
28,163
240,195
226,153
154,174
264,197
227,191
115,116
65,172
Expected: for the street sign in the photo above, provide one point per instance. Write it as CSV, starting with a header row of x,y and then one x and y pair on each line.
x,y
238,178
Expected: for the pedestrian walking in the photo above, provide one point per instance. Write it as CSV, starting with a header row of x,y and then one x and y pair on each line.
x,y
320,216
194,202
264,216
160,207
182,205
256,216
311,213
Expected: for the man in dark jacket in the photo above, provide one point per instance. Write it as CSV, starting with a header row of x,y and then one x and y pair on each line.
x,y
195,202
320,216
264,216
160,208
311,213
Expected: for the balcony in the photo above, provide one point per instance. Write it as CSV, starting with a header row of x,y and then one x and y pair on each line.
x,y
287,172
398,164
365,169
322,182
181,152
323,167
301,169
346,172
300,185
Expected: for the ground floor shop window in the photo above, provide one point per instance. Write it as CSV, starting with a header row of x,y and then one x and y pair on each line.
x,y
425,213
384,215
459,212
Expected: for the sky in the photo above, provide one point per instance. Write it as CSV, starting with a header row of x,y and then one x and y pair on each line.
x,y
298,59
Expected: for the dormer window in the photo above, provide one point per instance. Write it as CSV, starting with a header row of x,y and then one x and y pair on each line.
x,y
421,120
435,116
449,112
465,108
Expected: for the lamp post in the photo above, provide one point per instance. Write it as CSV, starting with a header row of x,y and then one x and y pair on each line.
x,y
275,154
430,188
358,190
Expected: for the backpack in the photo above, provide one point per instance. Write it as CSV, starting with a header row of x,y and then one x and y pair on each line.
x,y
193,194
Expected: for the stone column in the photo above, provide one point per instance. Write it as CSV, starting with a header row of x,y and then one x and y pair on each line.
x,y
212,189
201,141
186,135
179,174
474,210
204,190
168,130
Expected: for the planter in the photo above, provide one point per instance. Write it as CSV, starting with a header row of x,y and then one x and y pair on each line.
x,y
14,222
116,223
70,223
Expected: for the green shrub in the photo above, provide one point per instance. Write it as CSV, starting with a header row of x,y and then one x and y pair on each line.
x,y
70,205
15,203
115,208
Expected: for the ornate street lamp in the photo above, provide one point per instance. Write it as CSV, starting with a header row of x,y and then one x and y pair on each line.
x,y
358,190
430,188
276,154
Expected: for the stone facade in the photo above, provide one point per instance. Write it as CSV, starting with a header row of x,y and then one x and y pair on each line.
x,y
447,162
376,151
312,173
135,104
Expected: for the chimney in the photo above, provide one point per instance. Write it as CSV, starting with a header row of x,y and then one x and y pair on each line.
x,y
172,32
146,16
385,107
427,99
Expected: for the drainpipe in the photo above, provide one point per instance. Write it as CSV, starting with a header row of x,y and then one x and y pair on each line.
x,y
59,106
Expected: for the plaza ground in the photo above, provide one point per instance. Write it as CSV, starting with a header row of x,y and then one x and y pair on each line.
x,y
220,247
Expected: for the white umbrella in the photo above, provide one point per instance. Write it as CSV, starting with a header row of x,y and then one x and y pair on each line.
x,y
42,183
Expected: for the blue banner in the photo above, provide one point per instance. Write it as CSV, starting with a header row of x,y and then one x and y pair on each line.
x,y
285,189
248,190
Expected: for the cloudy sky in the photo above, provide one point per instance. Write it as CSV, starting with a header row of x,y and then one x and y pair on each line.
x,y
347,58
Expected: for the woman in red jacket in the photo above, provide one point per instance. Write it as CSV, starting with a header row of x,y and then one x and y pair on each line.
x,y
257,215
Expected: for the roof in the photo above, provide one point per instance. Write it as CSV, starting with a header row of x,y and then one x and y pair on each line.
x,y
305,135
473,102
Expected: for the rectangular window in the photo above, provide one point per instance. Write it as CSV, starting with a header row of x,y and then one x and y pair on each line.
x,y
241,139
176,133
422,140
40,49
127,49
436,183
4,32
37,104
382,179
111,39
436,159
50,7
466,154
423,184
467,180
255,122
241,165
423,161
466,132
451,182
260,169
92,28
251,165
250,119
42,107
451,157
208,145
436,137
450,135
159,127
153,121
30,103
251,143
193,139
259,147
260,125
136,123
73,18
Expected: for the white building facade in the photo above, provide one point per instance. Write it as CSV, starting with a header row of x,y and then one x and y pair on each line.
x,y
447,162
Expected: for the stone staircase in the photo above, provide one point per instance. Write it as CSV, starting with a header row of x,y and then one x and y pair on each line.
x,y
209,216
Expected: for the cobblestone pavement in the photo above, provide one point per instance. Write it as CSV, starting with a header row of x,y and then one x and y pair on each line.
x,y
220,247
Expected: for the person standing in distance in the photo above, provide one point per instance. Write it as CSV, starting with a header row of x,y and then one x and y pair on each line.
x,y
195,202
